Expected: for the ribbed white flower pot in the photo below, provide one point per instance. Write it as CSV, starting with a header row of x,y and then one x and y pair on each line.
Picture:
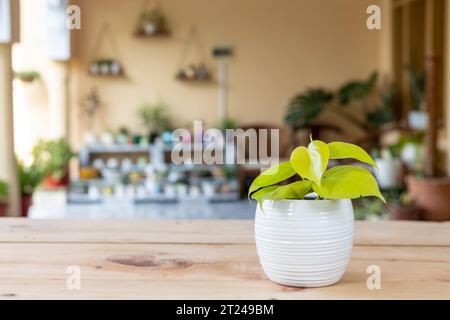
x,y
304,243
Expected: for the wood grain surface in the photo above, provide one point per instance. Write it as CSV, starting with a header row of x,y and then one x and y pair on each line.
x,y
206,259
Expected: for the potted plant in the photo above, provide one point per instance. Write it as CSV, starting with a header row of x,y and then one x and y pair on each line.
x,y
30,177
154,118
370,209
152,22
411,151
53,157
123,136
3,198
431,191
389,164
305,108
417,117
404,208
27,76
303,241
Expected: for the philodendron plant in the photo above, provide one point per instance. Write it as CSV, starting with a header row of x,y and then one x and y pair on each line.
x,y
311,164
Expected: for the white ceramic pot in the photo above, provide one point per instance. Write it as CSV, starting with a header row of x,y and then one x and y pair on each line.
x,y
418,120
304,243
389,172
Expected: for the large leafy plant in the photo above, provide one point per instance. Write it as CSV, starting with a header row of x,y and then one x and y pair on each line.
x,y
53,156
305,108
311,165
30,176
155,117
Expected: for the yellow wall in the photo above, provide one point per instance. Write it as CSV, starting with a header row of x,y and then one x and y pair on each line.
x,y
30,99
282,47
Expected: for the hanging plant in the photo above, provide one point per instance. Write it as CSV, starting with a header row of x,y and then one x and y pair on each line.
x,y
27,76
151,23
102,66
106,67
193,71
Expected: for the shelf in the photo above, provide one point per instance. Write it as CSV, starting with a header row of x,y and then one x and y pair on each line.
x,y
73,198
159,34
128,148
108,76
208,80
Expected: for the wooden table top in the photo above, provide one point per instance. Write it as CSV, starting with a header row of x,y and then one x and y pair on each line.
x,y
206,259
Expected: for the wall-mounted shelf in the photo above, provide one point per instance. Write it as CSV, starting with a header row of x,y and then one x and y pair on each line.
x,y
158,34
208,80
151,22
107,76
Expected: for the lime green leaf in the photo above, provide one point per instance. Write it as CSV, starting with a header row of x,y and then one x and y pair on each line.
x,y
263,194
301,162
295,190
348,182
342,150
272,176
311,163
319,153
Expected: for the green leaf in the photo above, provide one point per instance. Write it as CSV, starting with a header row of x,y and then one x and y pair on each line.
x,y
295,190
357,90
304,108
272,176
348,182
263,194
311,163
342,150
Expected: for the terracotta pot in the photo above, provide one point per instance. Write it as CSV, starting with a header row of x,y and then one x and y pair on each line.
x,y
405,213
3,208
27,200
51,183
431,194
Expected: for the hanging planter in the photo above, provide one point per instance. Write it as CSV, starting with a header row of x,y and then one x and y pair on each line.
x,y
106,67
27,76
193,72
151,22
102,66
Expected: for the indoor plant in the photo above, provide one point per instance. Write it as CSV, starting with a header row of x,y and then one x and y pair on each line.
x,y
389,164
3,198
27,76
431,191
152,22
403,208
53,157
154,118
417,117
305,108
303,241
30,177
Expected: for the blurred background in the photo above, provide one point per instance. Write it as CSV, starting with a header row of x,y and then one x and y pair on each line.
x,y
87,114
